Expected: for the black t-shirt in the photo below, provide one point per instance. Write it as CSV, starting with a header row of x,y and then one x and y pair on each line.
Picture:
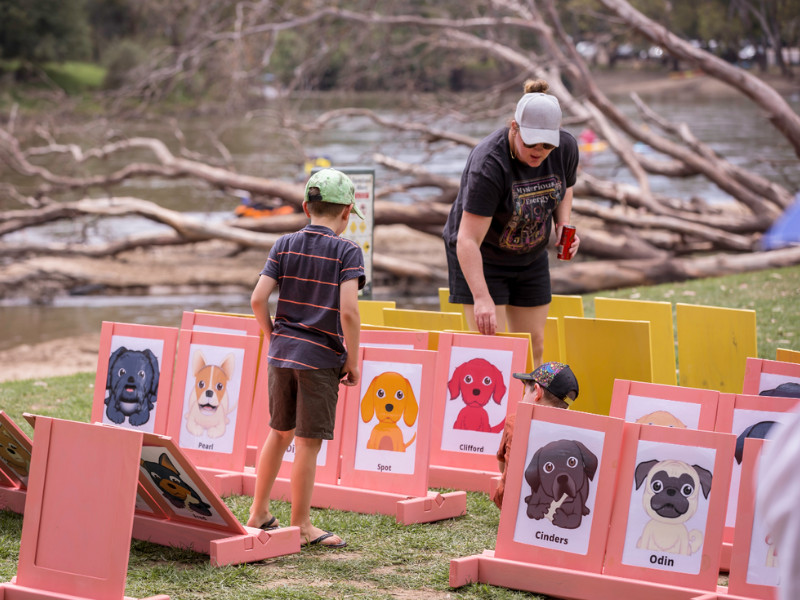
x,y
520,199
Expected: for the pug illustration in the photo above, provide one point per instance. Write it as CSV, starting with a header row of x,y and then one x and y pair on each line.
x,y
13,454
559,475
168,480
132,386
209,404
671,497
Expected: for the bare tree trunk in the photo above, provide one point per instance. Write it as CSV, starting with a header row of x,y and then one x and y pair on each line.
x,y
778,111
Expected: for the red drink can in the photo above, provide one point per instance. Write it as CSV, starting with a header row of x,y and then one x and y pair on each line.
x,y
567,236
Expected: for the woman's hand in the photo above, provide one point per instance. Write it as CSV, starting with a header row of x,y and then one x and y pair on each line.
x,y
576,241
485,316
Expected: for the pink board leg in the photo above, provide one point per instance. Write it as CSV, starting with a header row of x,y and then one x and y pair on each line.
x,y
251,456
461,479
725,557
565,583
257,545
13,499
406,509
435,507
225,483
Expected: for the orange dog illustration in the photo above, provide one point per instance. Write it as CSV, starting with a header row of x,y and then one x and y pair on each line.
x,y
389,397
13,454
663,418
209,409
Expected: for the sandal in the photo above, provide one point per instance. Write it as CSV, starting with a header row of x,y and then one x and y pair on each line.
x,y
325,536
268,526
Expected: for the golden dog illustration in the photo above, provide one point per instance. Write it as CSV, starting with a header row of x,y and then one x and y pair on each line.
x,y
389,396
670,499
14,454
209,409
663,418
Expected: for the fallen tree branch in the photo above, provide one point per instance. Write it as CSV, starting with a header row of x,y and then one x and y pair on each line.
x,y
785,120
586,277
720,239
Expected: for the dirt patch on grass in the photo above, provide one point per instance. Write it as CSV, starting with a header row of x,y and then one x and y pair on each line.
x,y
55,358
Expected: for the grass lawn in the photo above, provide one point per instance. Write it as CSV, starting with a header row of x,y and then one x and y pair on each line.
x,y
383,560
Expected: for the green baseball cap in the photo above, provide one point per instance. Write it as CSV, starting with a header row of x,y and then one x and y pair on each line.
x,y
335,187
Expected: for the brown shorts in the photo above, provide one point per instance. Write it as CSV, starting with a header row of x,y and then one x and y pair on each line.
x,y
304,400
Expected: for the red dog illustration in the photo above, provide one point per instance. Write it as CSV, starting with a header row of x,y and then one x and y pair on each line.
x,y
477,381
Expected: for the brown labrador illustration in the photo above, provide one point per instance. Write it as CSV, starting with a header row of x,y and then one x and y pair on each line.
x,y
559,475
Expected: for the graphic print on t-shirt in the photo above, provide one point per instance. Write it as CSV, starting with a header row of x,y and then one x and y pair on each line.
x,y
526,228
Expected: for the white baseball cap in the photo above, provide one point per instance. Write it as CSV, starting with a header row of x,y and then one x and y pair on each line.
x,y
539,118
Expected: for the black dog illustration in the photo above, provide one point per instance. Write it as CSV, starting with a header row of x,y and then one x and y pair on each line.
x,y
758,431
132,385
176,490
559,475
784,390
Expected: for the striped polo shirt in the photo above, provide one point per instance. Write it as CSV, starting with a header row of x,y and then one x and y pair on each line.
x,y
309,266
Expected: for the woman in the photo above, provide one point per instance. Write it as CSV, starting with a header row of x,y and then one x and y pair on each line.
x,y
515,181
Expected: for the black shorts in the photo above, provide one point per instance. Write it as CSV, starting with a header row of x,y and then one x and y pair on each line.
x,y
303,400
517,286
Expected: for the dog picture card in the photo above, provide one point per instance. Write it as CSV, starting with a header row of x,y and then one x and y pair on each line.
x,y
771,378
754,558
746,417
668,515
389,410
387,422
134,376
400,340
665,405
474,392
178,489
15,451
559,488
211,399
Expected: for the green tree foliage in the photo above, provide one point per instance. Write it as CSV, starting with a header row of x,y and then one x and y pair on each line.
x,y
44,30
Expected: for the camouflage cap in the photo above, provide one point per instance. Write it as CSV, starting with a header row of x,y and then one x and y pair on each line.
x,y
335,187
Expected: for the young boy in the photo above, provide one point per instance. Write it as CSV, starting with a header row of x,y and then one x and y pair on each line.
x,y
551,384
319,275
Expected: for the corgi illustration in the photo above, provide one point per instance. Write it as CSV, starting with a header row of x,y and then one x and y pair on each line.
x,y
209,403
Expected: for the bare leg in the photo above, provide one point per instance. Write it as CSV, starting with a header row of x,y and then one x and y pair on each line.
x,y
500,313
530,319
269,463
303,471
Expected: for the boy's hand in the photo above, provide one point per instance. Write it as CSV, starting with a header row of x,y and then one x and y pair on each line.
x,y
352,376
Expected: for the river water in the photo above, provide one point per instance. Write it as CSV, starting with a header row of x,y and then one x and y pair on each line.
x,y
732,126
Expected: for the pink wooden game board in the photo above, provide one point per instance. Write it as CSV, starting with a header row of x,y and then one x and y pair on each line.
x,y
134,376
764,377
681,544
581,448
75,545
212,397
465,437
754,559
746,417
666,405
